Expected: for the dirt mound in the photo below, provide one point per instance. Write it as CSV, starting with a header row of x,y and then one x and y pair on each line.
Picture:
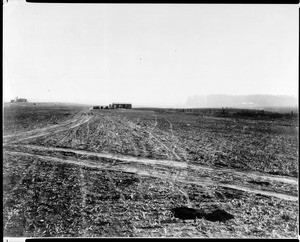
x,y
186,213
218,215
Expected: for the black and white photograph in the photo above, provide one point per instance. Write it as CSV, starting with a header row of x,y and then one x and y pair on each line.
x,y
150,120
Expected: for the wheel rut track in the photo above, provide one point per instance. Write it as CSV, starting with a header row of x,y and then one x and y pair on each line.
x,y
53,129
162,144
156,173
168,163
133,136
83,189
182,153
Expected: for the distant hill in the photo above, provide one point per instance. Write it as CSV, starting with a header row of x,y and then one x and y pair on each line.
x,y
240,101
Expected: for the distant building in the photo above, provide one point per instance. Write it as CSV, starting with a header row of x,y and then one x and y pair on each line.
x,y
19,100
114,106
121,105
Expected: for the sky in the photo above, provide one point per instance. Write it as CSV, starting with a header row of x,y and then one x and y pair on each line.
x,y
147,54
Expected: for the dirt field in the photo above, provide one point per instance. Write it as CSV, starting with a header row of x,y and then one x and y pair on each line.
x,y
71,171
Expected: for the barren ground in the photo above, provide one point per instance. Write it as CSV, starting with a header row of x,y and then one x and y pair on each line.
x,y
79,172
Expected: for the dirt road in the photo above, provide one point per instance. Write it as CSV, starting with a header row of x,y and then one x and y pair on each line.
x,y
157,173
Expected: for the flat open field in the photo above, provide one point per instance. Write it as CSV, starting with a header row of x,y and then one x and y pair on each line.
x,y
70,171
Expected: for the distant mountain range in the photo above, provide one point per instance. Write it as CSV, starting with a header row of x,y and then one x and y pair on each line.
x,y
240,101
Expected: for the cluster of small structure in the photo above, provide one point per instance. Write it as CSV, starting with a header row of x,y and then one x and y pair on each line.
x,y
115,106
19,100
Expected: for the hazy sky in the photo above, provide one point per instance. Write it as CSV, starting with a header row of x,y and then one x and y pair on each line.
x,y
147,53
